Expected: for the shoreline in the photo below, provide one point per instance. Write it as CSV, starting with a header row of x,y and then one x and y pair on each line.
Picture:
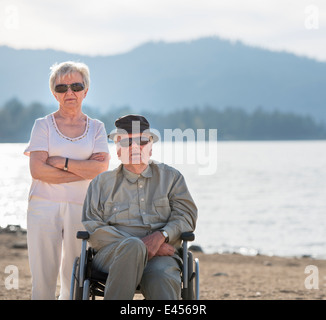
x,y
226,276
196,248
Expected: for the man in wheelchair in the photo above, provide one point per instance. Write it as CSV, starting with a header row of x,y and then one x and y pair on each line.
x,y
135,215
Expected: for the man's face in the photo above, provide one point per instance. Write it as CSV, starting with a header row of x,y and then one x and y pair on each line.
x,y
134,148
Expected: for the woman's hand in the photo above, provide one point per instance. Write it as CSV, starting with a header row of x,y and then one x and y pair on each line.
x,y
97,156
47,169
87,169
59,162
56,162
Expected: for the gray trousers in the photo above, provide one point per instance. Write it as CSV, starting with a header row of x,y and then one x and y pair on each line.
x,y
127,265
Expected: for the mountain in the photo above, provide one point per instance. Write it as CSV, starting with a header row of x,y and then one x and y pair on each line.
x,y
159,76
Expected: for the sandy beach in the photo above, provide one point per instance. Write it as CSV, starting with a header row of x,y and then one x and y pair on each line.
x,y
222,276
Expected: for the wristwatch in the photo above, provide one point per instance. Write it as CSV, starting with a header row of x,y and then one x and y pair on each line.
x,y
165,235
65,168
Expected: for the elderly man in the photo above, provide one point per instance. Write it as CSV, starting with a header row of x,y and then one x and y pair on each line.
x,y
135,215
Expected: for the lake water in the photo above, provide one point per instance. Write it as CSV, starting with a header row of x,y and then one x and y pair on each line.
x,y
253,197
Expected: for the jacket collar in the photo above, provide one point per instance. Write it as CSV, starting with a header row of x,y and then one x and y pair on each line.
x,y
133,177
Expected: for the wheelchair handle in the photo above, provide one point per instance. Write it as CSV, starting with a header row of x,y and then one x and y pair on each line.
x,y
187,236
83,235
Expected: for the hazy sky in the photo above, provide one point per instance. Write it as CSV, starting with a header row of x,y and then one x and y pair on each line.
x,y
113,26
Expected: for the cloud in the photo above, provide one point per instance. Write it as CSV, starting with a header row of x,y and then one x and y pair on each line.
x,y
110,27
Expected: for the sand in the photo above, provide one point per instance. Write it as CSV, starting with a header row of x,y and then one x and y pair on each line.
x,y
222,276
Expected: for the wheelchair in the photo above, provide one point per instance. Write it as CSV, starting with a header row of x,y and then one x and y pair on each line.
x,y
88,283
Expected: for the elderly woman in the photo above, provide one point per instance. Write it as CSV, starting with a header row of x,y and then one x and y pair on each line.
x,y
67,149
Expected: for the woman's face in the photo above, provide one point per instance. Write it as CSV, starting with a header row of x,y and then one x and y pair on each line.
x,y
70,99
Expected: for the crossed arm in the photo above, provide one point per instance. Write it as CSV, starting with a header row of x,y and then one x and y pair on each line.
x,y
49,169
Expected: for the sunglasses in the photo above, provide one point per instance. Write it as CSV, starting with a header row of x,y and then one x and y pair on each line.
x,y
141,141
62,88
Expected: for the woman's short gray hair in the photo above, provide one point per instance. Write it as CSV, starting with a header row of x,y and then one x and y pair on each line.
x,y
59,70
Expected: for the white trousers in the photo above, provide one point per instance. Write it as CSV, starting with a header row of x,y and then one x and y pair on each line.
x,y
52,245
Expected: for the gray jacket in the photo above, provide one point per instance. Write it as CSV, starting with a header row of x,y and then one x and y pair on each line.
x,y
122,204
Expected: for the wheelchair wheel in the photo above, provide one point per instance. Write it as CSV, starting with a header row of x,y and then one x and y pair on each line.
x,y
86,291
76,291
190,292
197,278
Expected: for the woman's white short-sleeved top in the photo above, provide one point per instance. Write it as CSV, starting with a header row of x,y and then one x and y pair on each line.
x,y
47,137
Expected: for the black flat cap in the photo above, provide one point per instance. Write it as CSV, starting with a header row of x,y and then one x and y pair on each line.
x,y
132,123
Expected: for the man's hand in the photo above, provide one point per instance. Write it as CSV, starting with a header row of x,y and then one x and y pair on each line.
x,y
156,246
165,250
153,243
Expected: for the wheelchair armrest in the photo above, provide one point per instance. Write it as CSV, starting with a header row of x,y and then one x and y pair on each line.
x,y
187,236
84,235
